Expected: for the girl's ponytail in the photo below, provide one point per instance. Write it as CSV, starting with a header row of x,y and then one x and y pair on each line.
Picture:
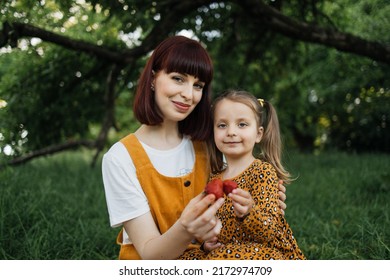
x,y
271,143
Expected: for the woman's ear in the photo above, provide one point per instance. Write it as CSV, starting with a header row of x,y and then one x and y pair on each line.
x,y
260,133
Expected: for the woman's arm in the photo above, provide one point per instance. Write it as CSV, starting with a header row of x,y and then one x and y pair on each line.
x,y
265,214
198,220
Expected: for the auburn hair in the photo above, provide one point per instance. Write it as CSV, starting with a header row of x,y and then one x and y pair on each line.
x,y
183,55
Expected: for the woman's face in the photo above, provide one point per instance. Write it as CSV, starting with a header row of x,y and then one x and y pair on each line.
x,y
177,94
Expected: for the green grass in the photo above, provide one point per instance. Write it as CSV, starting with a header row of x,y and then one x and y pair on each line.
x,y
54,208
338,207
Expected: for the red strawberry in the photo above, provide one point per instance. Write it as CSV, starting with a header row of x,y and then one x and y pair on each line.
x,y
215,187
229,186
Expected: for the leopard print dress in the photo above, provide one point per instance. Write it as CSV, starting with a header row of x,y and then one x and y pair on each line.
x,y
262,235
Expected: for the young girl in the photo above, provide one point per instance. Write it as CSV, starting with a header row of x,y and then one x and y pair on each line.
x,y
154,177
253,226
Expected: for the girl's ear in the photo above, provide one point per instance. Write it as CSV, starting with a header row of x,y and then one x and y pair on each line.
x,y
260,133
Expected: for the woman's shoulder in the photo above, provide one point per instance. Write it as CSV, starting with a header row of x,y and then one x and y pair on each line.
x,y
116,154
116,149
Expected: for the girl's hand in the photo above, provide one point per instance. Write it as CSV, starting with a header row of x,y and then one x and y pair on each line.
x,y
242,202
198,218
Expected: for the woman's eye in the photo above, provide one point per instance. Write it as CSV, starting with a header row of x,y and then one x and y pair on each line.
x,y
177,78
199,86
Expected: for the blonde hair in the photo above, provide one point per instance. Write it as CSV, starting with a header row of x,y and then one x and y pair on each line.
x,y
270,144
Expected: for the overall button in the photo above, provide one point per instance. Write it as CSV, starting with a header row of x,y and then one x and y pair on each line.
x,y
187,183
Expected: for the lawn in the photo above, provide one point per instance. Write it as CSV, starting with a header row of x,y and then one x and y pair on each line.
x,y
54,208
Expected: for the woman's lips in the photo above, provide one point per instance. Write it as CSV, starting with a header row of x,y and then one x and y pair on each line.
x,y
182,107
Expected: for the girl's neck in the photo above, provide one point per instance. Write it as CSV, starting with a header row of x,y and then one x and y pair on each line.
x,y
235,166
160,137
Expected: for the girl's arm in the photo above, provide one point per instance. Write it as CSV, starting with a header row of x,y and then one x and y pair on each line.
x,y
198,220
242,200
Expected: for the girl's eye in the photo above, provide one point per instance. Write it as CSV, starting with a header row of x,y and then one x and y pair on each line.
x,y
221,125
242,124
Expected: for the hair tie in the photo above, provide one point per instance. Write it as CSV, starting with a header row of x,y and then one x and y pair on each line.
x,y
261,102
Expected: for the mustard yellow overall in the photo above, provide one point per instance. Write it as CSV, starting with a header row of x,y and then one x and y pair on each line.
x,y
167,196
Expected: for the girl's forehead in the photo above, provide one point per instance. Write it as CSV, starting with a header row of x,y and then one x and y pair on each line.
x,y
233,103
233,108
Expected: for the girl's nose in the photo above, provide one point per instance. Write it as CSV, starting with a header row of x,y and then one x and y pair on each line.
x,y
231,131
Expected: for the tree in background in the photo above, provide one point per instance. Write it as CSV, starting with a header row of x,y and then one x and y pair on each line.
x,y
67,67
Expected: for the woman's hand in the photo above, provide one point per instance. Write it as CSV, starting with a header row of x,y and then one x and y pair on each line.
x,y
282,196
211,244
199,219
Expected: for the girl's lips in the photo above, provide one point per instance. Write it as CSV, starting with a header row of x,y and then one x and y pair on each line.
x,y
181,106
231,142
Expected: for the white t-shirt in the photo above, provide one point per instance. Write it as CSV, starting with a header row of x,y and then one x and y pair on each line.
x,y
124,195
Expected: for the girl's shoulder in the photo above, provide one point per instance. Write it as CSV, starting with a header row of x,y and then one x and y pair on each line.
x,y
260,167
217,175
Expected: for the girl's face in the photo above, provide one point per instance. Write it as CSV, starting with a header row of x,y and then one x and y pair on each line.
x,y
235,129
177,94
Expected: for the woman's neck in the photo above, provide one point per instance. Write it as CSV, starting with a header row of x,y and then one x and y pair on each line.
x,y
235,166
160,137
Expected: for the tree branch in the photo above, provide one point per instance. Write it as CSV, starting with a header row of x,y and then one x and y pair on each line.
x,y
289,27
16,30
109,118
71,144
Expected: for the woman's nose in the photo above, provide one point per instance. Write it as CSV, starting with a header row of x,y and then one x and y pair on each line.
x,y
187,92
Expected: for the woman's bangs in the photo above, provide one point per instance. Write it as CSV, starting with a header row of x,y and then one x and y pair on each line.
x,y
192,61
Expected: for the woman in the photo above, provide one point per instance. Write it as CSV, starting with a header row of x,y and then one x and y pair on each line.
x,y
154,178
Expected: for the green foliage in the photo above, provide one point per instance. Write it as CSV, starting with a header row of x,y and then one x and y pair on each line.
x,y
56,98
54,94
349,106
364,123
